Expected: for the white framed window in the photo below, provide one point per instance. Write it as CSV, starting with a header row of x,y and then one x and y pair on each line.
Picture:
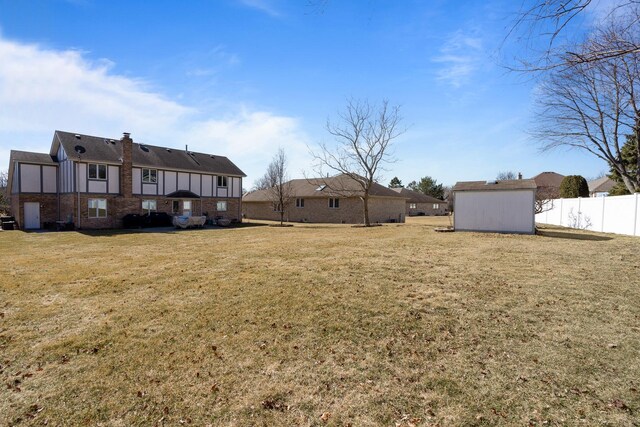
x,y
334,203
436,206
97,171
221,206
299,203
412,205
222,181
150,175
149,206
186,208
97,208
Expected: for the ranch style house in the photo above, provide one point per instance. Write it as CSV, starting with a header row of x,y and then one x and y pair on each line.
x,y
93,182
327,200
422,204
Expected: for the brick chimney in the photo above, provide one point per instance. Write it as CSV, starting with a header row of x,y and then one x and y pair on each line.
x,y
519,175
126,168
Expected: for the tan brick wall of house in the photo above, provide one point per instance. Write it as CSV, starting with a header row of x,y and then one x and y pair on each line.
x,y
317,210
427,209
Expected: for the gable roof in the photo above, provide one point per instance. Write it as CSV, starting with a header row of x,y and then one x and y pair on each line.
x,y
107,150
416,196
548,179
335,186
506,185
601,185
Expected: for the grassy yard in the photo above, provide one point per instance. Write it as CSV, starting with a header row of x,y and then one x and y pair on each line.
x,y
319,325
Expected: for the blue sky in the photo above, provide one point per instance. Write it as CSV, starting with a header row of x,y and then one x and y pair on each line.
x,y
242,77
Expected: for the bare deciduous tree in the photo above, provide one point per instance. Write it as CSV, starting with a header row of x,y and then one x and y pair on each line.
x,y
592,106
507,175
4,192
544,198
547,21
364,135
276,182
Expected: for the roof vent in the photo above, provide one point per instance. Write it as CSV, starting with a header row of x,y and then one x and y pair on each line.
x,y
212,156
322,187
168,150
77,136
113,141
144,148
491,182
79,149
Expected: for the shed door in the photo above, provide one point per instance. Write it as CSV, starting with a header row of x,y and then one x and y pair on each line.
x,y
31,215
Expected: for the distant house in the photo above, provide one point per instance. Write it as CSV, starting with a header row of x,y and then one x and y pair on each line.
x,y
421,204
495,206
327,200
600,187
95,181
548,184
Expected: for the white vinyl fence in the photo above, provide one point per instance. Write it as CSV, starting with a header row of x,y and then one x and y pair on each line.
x,y
614,214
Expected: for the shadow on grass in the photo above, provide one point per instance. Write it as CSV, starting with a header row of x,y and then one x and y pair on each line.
x,y
572,235
160,230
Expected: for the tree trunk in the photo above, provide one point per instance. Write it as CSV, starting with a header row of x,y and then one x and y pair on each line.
x,y
365,202
636,130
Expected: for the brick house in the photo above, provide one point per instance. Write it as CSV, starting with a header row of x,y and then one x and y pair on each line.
x,y
94,181
327,200
422,204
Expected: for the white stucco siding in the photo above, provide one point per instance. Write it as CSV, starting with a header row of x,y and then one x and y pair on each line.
x,y
114,179
149,189
169,182
497,211
206,185
29,178
97,186
49,179
183,181
236,187
136,180
195,183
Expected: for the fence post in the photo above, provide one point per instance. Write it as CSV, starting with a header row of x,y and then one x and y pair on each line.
x,y
561,212
579,212
602,218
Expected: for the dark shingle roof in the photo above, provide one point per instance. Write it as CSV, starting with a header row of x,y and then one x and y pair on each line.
x,y
548,179
416,196
604,184
512,184
29,157
108,150
336,186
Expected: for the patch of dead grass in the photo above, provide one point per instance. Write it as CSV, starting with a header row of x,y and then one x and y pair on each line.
x,y
319,325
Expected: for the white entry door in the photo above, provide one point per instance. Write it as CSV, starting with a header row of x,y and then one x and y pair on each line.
x,y
31,215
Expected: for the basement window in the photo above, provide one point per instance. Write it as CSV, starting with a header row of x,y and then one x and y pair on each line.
x,y
97,171
334,203
97,208
150,176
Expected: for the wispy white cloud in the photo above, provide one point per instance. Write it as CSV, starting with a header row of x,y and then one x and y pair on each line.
x,y
460,57
42,90
265,6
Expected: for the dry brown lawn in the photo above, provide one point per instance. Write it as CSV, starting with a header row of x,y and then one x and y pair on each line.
x,y
319,325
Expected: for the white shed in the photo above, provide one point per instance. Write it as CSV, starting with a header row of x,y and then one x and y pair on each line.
x,y
495,206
